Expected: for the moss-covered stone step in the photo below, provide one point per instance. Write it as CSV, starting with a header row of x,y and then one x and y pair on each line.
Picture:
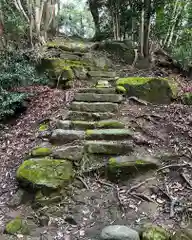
x,y
64,136
97,90
108,147
103,74
89,116
84,125
151,89
94,97
73,153
127,162
108,134
94,107
51,173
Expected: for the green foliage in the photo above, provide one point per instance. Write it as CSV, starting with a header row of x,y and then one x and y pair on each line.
x,y
10,102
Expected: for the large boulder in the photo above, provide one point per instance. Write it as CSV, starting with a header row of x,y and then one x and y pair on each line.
x,y
151,89
46,172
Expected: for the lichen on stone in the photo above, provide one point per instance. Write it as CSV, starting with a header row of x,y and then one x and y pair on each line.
x,y
152,232
43,127
17,225
41,151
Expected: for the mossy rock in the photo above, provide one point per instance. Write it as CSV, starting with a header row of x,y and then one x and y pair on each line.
x,y
44,198
49,173
41,151
152,232
43,127
151,89
120,89
17,226
125,166
109,124
186,98
185,234
103,84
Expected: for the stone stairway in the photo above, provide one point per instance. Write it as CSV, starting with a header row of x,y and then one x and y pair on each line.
x,y
91,130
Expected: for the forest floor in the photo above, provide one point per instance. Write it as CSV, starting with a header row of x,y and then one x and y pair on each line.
x,y
162,197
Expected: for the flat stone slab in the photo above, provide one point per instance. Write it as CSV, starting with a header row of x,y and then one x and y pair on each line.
x,y
64,136
97,90
102,74
108,147
94,107
94,97
89,116
73,153
84,125
108,134
49,173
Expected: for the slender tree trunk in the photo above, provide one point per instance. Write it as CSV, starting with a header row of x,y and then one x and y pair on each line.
x,y
142,30
95,14
147,26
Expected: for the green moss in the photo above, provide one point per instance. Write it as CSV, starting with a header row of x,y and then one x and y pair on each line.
x,y
109,124
120,89
186,98
51,173
157,90
70,46
151,232
17,225
43,127
41,152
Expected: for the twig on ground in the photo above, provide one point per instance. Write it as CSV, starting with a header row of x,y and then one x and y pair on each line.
x,y
140,101
186,180
164,193
82,180
119,200
105,183
142,197
175,165
139,185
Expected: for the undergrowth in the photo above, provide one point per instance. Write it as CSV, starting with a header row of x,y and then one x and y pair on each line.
x,y
16,71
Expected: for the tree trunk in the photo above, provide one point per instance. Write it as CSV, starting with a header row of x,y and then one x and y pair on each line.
x,y
147,27
95,14
142,29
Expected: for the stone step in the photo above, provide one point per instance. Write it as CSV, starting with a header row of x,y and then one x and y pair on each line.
x,y
102,74
94,97
94,107
89,116
109,134
108,147
84,125
62,136
73,153
98,90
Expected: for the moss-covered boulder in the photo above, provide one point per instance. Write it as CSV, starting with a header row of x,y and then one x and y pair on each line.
x,y
17,226
184,234
121,89
152,232
186,98
155,90
49,173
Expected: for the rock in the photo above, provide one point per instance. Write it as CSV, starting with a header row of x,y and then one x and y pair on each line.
x,y
49,173
17,226
155,90
152,232
109,124
184,234
186,98
43,198
17,198
108,134
94,107
102,74
64,136
99,90
127,164
88,116
103,84
119,232
63,124
94,97
73,153
121,89
41,151
92,162
108,147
